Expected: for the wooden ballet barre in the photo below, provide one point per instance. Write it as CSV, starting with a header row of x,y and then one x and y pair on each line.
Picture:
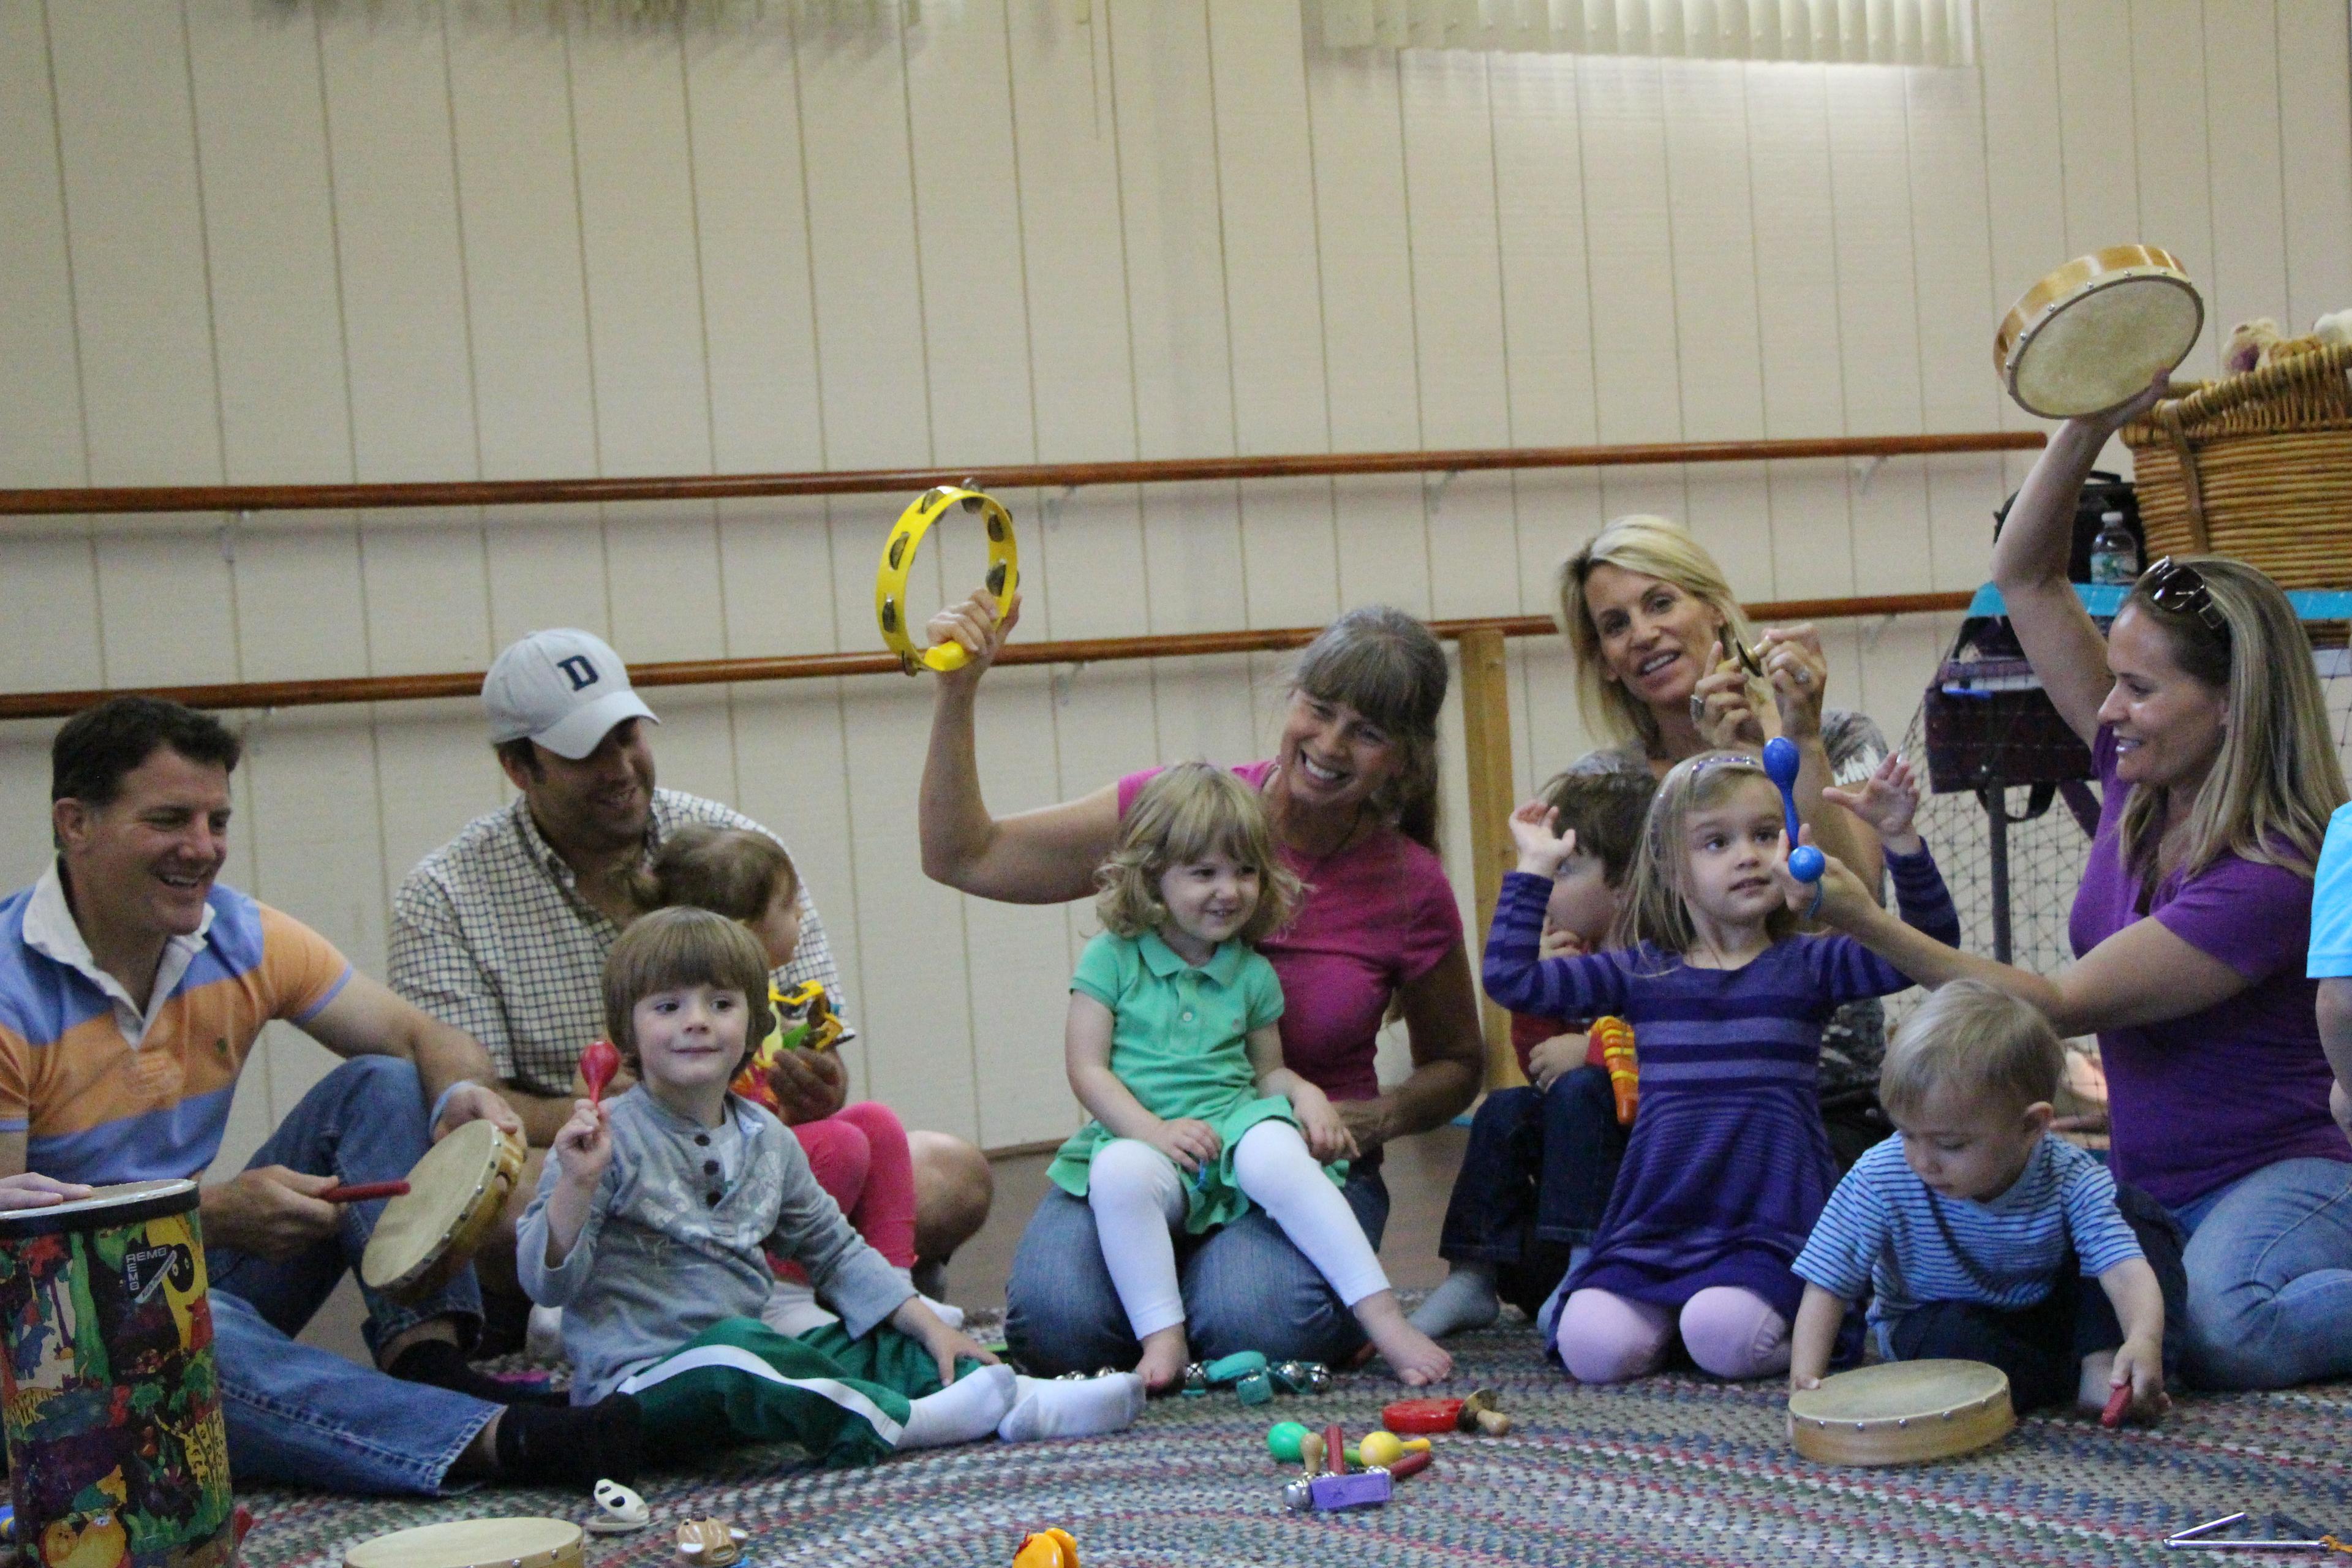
x,y
113,499
1484,688
823,666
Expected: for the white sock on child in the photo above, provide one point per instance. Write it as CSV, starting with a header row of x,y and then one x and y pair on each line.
x,y
543,1339
952,1316
963,1412
1079,1407
1137,1195
1271,1165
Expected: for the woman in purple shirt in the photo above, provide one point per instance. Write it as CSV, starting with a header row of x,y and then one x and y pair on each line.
x,y
1352,794
2204,715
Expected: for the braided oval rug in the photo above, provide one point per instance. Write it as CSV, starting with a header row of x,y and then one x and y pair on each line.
x,y
1668,1470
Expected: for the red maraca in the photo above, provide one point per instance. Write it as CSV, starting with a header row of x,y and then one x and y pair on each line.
x,y
598,1063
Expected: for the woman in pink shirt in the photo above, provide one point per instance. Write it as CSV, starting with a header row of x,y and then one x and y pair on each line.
x,y
1352,792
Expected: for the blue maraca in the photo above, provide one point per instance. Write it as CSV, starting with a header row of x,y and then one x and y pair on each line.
x,y
1780,763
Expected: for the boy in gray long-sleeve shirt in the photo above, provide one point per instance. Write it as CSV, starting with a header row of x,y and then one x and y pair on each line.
x,y
655,1222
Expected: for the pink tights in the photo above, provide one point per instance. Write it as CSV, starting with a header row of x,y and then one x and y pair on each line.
x,y
1730,1332
859,1157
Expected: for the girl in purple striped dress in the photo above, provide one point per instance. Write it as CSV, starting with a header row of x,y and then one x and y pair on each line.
x,y
1728,1165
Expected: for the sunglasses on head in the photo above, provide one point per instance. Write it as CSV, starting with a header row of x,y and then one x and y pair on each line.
x,y
2175,587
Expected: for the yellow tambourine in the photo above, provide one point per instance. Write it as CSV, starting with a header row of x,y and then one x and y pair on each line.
x,y
899,557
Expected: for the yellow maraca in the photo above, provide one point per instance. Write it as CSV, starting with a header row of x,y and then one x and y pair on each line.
x,y
1386,1448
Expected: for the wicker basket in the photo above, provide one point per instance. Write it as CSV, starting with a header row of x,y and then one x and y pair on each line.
x,y
2255,466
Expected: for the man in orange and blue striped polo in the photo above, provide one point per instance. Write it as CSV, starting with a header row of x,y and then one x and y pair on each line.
x,y
132,988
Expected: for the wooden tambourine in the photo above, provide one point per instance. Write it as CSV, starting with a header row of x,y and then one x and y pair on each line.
x,y
454,1196
2093,334
899,557
1901,1412
473,1543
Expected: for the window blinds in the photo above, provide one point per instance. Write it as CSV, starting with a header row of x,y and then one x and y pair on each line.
x,y
1858,31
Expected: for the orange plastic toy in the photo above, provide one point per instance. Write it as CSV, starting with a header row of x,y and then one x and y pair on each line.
x,y
1047,1549
1615,1038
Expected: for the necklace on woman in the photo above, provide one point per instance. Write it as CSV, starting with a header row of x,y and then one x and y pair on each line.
x,y
1312,864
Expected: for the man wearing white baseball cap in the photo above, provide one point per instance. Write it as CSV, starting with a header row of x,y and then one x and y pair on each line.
x,y
566,690
503,932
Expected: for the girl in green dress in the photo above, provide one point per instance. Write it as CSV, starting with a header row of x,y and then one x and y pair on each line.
x,y
1174,1046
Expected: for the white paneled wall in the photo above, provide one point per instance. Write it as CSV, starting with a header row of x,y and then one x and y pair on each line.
x,y
417,241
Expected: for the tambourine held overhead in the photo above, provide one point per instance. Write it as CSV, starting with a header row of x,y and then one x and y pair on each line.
x,y
898,559
2093,334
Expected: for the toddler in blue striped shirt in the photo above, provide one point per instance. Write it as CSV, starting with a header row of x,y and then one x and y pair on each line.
x,y
1973,1229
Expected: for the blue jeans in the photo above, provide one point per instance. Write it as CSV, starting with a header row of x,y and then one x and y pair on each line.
x,y
297,1413
1245,1289
1533,1181
2270,1277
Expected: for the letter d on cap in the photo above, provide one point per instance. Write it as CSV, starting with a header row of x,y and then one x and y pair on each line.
x,y
563,689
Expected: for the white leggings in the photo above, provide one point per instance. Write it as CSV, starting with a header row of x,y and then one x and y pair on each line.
x,y
1138,1197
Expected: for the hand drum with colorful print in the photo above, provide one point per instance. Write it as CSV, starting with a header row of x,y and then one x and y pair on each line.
x,y
117,1453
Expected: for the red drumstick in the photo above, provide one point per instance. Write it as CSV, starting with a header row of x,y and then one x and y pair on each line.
x,y
2117,1403
1413,1464
1334,1449
598,1063
362,1192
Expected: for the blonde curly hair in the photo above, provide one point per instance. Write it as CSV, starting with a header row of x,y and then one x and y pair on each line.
x,y
1187,812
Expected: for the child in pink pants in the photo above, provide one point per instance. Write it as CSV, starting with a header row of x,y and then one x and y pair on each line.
x,y
859,1156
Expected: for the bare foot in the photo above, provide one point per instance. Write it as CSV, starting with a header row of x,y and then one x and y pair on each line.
x,y
1416,1358
1164,1355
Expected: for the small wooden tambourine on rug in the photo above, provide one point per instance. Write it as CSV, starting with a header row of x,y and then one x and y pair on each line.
x,y
899,557
1901,1412
2092,335
474,1543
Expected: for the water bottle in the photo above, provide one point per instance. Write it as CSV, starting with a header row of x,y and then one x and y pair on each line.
x,y
2115,555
